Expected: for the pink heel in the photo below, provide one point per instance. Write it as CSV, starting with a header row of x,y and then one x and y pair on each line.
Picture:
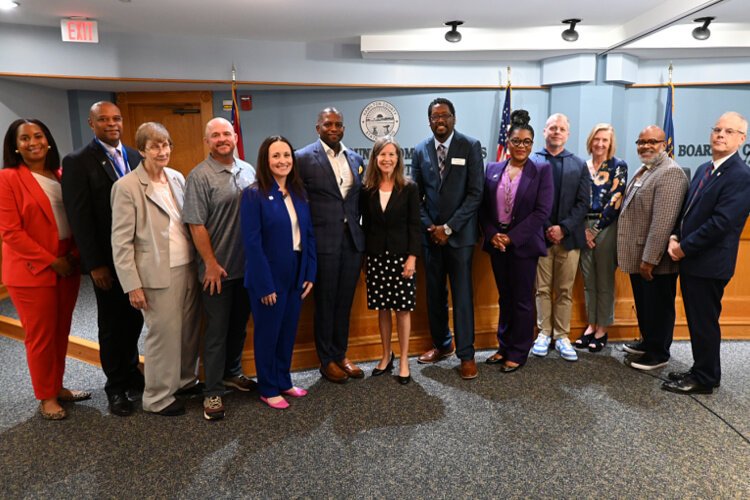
x,y
279,405
295,392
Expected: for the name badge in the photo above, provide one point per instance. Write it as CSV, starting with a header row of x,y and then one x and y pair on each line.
x,y
458,161
638,184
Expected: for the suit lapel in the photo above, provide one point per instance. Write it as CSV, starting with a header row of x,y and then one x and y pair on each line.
x,y
32,185
102,160
527,175
494,180
325,167
149,188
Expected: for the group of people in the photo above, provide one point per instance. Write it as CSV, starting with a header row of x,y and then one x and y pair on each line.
x,y
233,240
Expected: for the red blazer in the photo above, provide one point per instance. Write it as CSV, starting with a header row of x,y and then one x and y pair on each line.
x,y
28,230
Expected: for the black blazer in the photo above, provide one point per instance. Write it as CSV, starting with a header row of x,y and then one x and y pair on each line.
x,y
397,230
87,180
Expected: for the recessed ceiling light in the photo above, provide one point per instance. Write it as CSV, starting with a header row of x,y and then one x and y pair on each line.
x,y
8,4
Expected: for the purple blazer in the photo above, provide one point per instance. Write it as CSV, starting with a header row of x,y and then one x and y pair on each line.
x,y
531,208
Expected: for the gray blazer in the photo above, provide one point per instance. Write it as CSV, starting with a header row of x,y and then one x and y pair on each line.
x,y
140,229
648,215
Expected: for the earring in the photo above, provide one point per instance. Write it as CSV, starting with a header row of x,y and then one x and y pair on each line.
x,y
16,151
49,147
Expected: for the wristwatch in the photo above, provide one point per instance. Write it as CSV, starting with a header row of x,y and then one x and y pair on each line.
x,y
447,229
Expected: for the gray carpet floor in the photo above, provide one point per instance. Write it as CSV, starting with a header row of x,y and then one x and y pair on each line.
x,y
591,429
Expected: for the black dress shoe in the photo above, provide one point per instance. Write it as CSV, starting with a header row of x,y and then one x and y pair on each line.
x,y
175,409
193,391
677,376
376,372
120,405
134,394
403,380
687,385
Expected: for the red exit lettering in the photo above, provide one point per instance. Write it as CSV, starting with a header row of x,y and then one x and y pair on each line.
x,y
74,30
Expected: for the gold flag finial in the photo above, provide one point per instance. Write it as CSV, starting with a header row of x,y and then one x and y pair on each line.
x,y
234,73
670,72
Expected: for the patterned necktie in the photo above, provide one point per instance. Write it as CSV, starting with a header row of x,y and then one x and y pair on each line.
x,y
120,163
702,183
441,160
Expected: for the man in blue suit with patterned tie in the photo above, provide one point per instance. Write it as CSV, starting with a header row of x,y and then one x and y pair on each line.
x,y
705,243
449,171
332,175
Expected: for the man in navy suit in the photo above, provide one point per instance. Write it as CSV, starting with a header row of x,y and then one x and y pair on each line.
x,y
449,171
332,175
87,179
564,234
705,242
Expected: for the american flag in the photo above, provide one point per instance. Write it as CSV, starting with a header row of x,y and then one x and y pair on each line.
x,y
502,138
236,123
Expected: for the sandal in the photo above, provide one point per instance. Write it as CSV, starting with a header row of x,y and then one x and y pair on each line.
x,y
72,396
597,344
495,359
584,340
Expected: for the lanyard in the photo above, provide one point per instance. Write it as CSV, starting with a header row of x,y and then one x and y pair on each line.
x,y
112,160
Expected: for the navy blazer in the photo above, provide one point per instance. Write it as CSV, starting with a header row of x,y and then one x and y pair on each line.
x,y
709,228
397,229
531,209
575,196
329,209
87,179
267,237
456,200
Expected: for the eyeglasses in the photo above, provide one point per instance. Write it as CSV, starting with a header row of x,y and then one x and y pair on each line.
x,y
728,131
157,148
518,142
648,142
436,118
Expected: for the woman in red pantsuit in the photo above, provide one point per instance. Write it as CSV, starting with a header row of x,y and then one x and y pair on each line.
x,y
40,261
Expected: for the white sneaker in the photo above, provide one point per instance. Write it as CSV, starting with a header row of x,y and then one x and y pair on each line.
x,y
565,348
541,345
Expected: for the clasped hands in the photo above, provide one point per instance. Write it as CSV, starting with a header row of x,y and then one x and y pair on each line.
x,y
437,235
675,250
270,299
501,241
590,237
65,265
554,234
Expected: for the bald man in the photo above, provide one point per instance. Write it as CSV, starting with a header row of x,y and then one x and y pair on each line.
x,y
653,200
705,243
212,211
87,179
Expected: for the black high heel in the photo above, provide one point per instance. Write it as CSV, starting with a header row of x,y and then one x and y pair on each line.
x,y
584,340
389,367
597,344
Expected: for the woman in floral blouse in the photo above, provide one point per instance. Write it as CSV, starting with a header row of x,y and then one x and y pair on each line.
x,y
599,259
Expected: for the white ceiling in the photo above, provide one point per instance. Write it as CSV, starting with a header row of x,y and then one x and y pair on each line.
x,y
493,28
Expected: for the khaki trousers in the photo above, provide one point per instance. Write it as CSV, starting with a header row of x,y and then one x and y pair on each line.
x,y
555,276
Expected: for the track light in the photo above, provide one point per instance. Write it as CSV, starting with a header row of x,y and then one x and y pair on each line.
x,y
702,32
570,34
8,5
453,35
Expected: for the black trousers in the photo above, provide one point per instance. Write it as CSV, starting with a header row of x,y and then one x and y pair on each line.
x,y
334,289
654,307
120,326
702,299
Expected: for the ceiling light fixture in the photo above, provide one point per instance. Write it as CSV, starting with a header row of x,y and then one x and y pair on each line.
x,y
570,34
453,35
702,32
8,5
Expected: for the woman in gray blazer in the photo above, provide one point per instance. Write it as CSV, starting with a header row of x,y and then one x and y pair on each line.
x,y
154,260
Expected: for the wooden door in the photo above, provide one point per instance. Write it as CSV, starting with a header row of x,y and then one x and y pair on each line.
x,y
184,114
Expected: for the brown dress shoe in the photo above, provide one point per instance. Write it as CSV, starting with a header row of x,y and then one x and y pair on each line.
x,y
333,373
350,368
468,369
434,355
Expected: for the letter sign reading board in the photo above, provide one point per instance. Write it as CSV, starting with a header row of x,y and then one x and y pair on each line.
x,y
79,30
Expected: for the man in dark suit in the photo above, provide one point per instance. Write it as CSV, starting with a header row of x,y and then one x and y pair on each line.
x,y
448,169
87,179
332,175
705,243
564,234
652,203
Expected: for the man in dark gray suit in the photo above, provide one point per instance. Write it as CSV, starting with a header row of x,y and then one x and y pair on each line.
x,y
332,175
449,171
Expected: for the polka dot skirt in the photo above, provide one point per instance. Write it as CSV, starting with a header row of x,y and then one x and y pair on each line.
x,y
386,288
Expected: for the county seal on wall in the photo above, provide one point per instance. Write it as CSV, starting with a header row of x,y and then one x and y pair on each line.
x,y
378,119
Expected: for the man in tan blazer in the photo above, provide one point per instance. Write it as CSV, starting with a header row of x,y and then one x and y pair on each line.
x,y
653,200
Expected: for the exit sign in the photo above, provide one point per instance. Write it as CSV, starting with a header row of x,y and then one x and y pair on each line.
x,y
79,30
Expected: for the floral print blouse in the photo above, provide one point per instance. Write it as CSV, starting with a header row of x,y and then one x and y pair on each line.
x,y
607,192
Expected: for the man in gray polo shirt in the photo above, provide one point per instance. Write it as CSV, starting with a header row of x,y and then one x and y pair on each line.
x,y
212,210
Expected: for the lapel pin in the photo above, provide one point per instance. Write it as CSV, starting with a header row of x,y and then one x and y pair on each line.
x,y
270,197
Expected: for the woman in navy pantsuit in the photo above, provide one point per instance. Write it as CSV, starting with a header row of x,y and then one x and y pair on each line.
x,y
517,200
280,265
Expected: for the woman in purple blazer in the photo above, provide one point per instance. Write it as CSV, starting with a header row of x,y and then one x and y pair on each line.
x,y
517,200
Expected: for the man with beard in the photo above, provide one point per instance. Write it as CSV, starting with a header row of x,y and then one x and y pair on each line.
x,y
332,176
212,211
652,203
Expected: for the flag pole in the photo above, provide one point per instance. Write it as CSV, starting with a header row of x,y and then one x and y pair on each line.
x,y
240,149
